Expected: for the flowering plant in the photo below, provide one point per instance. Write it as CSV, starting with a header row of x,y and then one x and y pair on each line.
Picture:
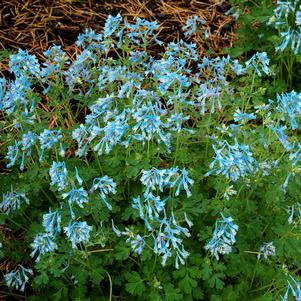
x,y
153,174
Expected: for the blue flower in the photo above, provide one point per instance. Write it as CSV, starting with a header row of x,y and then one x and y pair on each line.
x,y
137,243
58,174
182,181
142,31
12,201
152,206
293,289
76,195
28,141
42,244
295,214
167,242
52,222
243,118
48,138
289,104
13,154
282,137
149,123
22,64
90,40
78,232
17,103
56,61
81,136
182,50
223,237
234,161
267,249
259,59
208,92
153,179
191,25
113,133
105,185
112,25
18,278
296,156
80,69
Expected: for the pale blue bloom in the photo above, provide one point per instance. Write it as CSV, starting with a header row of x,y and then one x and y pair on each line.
x,y
78,232
137,243
142,31
258,61
13,154
105,185
58,174
48,139
76,195
167,242
233,161
209,92
223,237
112,133
296,155
56,61
28,141
182,49
290,37
153,179
42,244
191,25
81,135
12,201
24,64
112,25
267,249
149,124
18,277
289,104
282,137
90,40
17,103
52,222
295,214
241,117
80,69
152,206
294,290
188,221
182,181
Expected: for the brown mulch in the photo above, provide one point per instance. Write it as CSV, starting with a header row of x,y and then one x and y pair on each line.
x,y
37,24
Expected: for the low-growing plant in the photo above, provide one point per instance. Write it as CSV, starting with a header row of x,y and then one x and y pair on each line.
x,y
155,175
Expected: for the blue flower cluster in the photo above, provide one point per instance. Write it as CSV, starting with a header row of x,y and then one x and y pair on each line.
x,y
18,277
12,201
266,250
164,230
286,20
76,231
223,237
233,161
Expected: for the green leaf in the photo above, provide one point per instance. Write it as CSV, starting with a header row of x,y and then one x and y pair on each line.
x,y
135,285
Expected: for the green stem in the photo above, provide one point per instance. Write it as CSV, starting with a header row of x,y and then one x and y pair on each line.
x,y
111,286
